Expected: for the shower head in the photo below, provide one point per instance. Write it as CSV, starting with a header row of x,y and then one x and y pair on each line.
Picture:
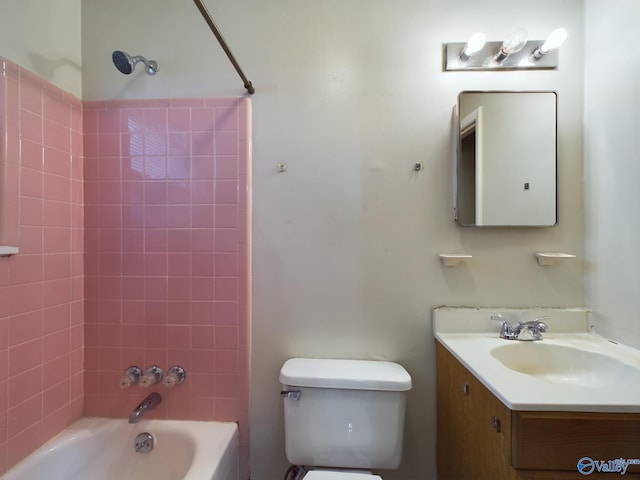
x,y
126,63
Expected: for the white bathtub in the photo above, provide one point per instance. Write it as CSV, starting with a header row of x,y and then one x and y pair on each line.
x,y
103,449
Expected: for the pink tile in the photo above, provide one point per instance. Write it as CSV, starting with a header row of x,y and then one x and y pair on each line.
x,y
202,240
156,312
156,337
178,288
55,398
57,110
108,121
56,292
226,337
56,421
226,191
227,240
56,240
155,265
226,385
202,191
226,361
24,443
179,192
226,264
178,216
56,135
155,144
226,313
202,385
31,97
25,298
31,154
203,312
202,119
226,143
179,336
24,386
203,168
155,167
55,345
21,416
25,327
202,337
31,183
226,119
179,313
56,371
31,126
202,143
178,264
155,216
202,216
202,288
179,120
25,356
226,167
202,264
179,144
57,161
178,168
155,119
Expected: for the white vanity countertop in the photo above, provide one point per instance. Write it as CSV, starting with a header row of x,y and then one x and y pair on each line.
x,y
470,335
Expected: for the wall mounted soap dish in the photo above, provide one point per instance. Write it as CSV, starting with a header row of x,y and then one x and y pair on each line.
x,y
546,259
453,259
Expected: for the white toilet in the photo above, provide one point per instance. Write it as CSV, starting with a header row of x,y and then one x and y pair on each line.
x,y
343,417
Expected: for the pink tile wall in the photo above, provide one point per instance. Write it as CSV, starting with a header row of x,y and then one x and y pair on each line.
x,y
41,288
167,254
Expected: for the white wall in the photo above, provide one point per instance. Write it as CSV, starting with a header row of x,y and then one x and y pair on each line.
x,y
612,167
43,36
350,95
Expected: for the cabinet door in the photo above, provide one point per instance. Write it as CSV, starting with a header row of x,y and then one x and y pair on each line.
x,y
474,427
454,444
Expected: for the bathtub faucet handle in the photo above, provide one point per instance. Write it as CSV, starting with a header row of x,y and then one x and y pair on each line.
x,y
175,376
151,376
130,377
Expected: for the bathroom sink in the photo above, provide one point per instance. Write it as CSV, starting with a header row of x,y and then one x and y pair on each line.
x,y
565,365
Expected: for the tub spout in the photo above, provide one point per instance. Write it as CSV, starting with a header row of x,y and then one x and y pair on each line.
x,y
149,403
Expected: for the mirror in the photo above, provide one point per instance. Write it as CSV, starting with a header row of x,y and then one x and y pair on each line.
x,y
506,166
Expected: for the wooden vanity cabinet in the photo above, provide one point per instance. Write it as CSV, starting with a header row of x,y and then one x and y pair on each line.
x,y
478,437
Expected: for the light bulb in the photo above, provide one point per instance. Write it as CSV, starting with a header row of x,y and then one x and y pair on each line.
x,y
475,43
554,40
513,44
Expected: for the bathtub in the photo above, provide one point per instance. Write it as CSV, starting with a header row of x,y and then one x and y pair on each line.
x,y
103,449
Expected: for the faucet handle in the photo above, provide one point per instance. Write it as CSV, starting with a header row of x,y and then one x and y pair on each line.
x,y
151,376
130,377
506,330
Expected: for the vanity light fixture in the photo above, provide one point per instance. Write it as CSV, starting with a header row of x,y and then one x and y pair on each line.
x,y
553,41
514,53
474,45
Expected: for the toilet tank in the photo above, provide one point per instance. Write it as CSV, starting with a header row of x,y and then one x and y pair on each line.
x,y
344,413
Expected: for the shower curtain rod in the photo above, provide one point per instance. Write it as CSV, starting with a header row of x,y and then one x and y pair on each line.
x,y
223,44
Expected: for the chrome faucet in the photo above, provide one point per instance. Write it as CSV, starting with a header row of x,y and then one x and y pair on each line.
x,y
524,331
149,403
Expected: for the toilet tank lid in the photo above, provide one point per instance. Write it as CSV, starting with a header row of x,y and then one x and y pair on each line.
x,y
345,374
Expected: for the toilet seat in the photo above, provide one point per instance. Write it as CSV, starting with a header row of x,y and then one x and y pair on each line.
x,y
336,475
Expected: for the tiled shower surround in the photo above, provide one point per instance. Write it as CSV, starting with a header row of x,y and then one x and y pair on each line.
x,y
41,288
166,261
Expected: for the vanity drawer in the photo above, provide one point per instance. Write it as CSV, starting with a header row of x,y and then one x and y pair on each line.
x,y
557,440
